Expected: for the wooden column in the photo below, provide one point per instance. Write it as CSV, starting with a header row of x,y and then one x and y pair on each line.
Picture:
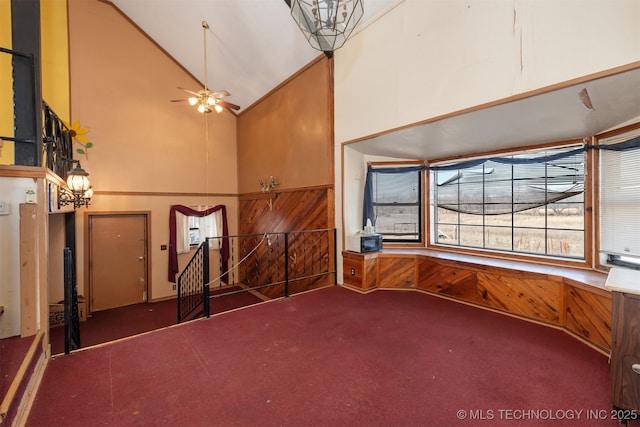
x,y
28,269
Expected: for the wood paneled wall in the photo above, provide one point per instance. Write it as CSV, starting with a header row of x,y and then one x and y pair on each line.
x,y
580,309
289,133
306,209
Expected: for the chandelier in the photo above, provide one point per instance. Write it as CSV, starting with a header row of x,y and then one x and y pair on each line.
x,y
326,24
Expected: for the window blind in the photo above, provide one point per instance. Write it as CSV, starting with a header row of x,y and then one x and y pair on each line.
x,y
620,199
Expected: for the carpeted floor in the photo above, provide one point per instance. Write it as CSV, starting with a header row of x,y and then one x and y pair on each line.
x,y
110,325
333,357
12,353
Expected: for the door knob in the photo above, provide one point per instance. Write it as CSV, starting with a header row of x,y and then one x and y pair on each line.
x,y
636,368
141,258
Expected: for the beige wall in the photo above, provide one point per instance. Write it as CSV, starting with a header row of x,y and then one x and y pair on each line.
x,y
148,153
431,58
12,191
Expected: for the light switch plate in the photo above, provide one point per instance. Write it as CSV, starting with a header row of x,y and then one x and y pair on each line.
x,y
4,207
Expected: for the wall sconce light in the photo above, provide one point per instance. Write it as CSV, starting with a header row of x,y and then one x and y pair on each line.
x,y
78,190
268,186
326,24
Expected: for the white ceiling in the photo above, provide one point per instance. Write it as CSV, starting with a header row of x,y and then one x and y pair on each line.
x,y
254,45
553,116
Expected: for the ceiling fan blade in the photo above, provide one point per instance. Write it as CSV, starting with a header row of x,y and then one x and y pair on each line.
x,y
189,91
229,105
220,94
178,100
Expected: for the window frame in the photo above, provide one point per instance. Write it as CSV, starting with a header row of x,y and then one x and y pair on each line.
x,y
421,204
603,260
551,259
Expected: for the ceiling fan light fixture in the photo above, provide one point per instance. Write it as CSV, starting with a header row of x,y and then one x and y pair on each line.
x,y
205,100
326,24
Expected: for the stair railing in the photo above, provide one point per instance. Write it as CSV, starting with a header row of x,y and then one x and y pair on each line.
x,y
275,264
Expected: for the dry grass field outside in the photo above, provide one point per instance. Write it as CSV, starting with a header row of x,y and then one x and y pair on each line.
x,y
537,231
554,231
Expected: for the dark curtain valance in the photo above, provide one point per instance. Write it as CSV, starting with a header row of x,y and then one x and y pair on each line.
x,y
368,210
185,210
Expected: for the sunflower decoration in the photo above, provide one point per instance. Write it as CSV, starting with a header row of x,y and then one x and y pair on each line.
x,y
78,134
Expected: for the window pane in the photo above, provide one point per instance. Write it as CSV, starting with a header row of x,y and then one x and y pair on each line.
x,y
447,216
530,218
398,222
513,207
397,187
503,220
565,215
397,205
529,240
471,236
447,234
469,219
498,238
567,243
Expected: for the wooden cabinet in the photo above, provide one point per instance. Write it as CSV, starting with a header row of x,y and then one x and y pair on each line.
x,y
359,270
625,352
625,341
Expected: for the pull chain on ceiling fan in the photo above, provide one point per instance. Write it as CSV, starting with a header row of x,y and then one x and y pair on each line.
x,y
205,100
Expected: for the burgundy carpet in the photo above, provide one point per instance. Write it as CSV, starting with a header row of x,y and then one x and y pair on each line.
x,y
333,357
12,353
109,325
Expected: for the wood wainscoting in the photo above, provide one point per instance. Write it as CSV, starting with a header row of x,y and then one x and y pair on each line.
x,y
285,211
574,300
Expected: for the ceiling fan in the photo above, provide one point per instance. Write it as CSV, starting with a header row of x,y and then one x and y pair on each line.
x,y
205,100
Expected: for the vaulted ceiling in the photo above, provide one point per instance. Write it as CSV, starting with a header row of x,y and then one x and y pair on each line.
x,y
254,45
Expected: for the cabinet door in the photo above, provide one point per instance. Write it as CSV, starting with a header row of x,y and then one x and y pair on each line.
x,y
352,273
625,351
630,396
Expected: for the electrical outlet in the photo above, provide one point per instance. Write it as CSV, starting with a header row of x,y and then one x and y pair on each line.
x,y
174,287
353,271
4,207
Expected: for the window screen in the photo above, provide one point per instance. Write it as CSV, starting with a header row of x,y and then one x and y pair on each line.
x,y
397,206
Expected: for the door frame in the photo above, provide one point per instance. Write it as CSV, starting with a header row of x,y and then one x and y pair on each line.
x,y
87,252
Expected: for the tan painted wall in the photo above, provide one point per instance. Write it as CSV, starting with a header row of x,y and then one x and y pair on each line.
x,y
145,147
289,134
